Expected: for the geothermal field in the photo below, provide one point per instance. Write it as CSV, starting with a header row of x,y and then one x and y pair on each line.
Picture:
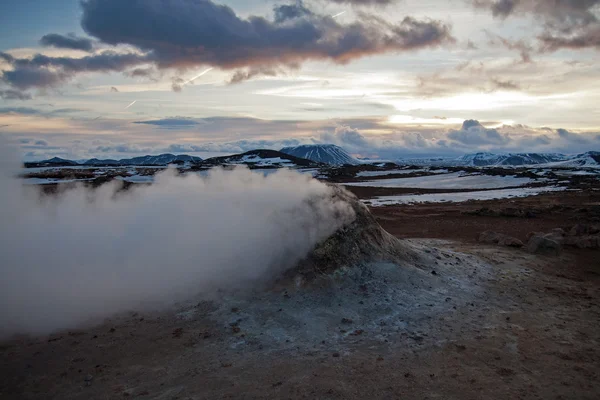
x,y
300,199
264,277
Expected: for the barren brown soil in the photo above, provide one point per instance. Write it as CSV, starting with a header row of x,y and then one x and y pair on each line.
x,y
486,323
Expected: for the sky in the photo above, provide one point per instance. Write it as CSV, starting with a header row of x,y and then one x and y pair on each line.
x,y
383,79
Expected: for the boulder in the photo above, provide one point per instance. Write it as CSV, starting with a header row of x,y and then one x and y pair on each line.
x,y
579,230
540,244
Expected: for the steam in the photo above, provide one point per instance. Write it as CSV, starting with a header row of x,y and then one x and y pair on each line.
x,y
85,254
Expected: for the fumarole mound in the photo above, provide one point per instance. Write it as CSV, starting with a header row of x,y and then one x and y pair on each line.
x,y
361,242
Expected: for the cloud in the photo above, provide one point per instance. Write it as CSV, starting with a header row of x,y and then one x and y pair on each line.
x,y
170,122
126,148
24,78
70,41
44,71
473,133
19,110
179,34
189,34
525,49
11,94
588,37
349,137
572,137
567,23
507,85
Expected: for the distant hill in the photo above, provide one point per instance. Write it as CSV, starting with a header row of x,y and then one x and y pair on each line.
x,y
261,158
160,160
53,162
322,153
514,159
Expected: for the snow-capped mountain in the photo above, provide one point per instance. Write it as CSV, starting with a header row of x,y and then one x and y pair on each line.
x,y
162,159
588,159
261,158
510,159
323,153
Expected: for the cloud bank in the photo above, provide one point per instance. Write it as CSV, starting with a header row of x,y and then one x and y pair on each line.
x,y
85,255
183,34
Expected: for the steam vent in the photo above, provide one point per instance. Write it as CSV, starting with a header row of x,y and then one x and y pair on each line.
x,y
361,242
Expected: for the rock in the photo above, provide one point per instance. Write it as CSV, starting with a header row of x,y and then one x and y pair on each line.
x,y
556,237
579,230
588,242
499,238
532,234
539,244
359,242
346,321
490,237
511,242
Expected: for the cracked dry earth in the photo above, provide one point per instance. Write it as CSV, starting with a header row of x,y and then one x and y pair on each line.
x,y
467,322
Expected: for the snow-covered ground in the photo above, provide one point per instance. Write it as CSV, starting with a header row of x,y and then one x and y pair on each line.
x,y
137,178
47,181
25,171
368,174
459,197
456,180
266,162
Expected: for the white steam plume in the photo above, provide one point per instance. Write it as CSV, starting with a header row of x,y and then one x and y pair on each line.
x,y
84,255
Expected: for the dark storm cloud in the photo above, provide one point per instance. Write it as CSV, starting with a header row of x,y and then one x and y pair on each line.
x,y
14,95
70,41
183,34
290,11
24,78
584,38
573,24
190,33
44,72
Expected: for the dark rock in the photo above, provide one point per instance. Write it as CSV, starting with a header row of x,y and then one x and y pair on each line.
x,y
542,245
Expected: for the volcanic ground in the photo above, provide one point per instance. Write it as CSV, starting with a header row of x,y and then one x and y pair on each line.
x,y
446,317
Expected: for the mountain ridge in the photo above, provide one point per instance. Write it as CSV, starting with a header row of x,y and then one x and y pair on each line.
x,y
322,153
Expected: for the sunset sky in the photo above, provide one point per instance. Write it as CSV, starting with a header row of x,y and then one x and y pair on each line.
x,y
383,78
